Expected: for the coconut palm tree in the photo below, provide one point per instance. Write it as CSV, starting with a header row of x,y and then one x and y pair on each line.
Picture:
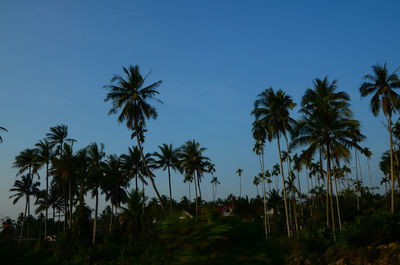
x,y
24,188
167,159
256,182
95,155
130,98
4,130
131,165
325,126
272,109
214,182
193,163
239,172
44,155
26,160
114,184
382,85
58,136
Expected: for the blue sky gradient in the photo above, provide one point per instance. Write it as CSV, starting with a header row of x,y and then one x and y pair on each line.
x,y
214,58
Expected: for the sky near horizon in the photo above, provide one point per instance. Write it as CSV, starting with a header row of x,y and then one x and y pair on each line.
x,y
214,58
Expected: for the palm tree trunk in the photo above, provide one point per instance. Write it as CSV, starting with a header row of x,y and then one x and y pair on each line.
x,y
357,192
240,184
198,186
195,190
326,187
23,221
95,216
47,206
329,182
29,214
112,216
170,192
136,182
337,197
369,173
290,170
391,164
70,202
284,189
264,195
148,171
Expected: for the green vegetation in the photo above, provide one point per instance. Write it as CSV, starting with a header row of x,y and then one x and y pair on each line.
x,y
335,219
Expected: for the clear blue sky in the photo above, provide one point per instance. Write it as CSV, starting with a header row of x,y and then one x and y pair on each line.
x,y
214,58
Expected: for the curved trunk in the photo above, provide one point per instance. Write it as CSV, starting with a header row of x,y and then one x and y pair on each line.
x,y
198,186
284,189
148,173
264,195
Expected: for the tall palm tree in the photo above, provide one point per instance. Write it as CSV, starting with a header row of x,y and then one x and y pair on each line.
x,y
130,97
167,159
24,188
272,109
260,135
64,167
95,155
4,130
325,126
382,85
239,172
192,162
44,156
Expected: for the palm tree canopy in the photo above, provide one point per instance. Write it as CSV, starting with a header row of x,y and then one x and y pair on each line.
x,y
58,136
24,187
272,109
381,84
26,160
167,157
130,96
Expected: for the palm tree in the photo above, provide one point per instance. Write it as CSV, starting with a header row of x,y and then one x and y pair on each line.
x,y
193,163
260,135
326,126
114,184
4,130
256,182
95,155
44,156
272,109
131,165
130,96
58,136
382,84
64,167
167,159
239,172
24,188
215,182
26,161
368,154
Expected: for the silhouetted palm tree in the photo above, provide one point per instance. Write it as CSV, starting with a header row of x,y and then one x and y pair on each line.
x,y
130,97
272,109
239,172
44,156
24,188
382,84
95,155
167,159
